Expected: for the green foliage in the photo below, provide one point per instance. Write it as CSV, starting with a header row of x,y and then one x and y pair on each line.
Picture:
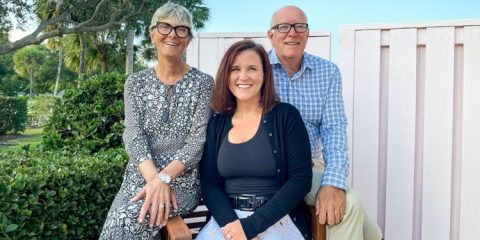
x,y
27,62
105,52
57,195
6,64
40,108
90,117
13,115
28,59
11,85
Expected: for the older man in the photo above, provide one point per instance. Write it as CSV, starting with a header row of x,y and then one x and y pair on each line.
x,y
313,85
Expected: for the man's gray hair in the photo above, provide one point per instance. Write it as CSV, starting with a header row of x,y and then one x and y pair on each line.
x,y
174,11
272,23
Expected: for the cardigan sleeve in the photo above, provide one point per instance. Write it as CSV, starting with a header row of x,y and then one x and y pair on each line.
x,y
292,138
212,184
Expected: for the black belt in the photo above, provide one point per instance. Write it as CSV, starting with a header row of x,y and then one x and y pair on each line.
x,y
247,202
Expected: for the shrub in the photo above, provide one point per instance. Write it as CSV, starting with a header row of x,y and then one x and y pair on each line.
x,y
13,114
90,117
40,108
57,195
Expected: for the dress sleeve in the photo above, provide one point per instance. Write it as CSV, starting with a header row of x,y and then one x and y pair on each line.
x,y
134,137
195,139
296,148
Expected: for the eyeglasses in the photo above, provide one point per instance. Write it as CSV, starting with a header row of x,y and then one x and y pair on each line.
x,y
285,27
165,29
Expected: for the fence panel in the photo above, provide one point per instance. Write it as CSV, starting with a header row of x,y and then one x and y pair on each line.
x,y
365,139
400,148
426,110
439,76
470,178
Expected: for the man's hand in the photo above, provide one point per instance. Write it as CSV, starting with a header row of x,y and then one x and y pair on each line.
x,y
330,205
234,231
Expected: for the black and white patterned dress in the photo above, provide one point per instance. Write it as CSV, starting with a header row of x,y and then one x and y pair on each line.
x,y
162,123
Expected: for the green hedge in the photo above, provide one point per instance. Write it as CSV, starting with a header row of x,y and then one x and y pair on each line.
x,y
40,108
90,117
13,114
57,195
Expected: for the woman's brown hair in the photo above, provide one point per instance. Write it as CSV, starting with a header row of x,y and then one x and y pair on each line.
x,y
223,100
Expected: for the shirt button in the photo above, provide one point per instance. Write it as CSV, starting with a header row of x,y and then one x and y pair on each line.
x,y
294,219
270,134
278,170
264,121
274,151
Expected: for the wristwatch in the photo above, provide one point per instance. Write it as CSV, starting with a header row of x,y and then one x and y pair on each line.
x,y
165,178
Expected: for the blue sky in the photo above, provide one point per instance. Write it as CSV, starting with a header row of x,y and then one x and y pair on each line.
x,y
254,15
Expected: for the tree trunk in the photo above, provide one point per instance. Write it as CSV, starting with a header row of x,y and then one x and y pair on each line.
x,y
30,71
59,70
83,58
129,60
104,63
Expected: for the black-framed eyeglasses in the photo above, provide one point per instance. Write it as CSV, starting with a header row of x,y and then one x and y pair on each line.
x,y
285,27
165,29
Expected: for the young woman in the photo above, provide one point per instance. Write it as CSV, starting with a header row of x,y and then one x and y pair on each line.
x,y
256,167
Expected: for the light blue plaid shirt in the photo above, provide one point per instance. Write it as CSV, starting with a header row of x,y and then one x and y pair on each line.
x,y
316,91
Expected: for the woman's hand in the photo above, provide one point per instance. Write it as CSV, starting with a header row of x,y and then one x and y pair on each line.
x,y
234,231
158,199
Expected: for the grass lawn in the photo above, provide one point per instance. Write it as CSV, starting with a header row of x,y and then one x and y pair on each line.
x,y
32,136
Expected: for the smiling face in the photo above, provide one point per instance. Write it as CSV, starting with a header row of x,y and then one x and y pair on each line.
x,y
246,77
289,45
169,46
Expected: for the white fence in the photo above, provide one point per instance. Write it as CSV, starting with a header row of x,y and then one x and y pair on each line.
x,y
412,93
412,96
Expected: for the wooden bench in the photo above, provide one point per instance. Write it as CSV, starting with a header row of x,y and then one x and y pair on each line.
x,y
187,228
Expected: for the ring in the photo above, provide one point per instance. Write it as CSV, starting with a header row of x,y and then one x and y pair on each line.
x,y
162,205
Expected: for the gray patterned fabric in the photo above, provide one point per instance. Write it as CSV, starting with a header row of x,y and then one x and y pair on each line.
x,y
162,127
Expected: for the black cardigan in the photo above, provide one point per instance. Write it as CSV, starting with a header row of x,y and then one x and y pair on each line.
x,y
291,147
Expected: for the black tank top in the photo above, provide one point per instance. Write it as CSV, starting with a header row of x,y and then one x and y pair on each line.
x,y
248,167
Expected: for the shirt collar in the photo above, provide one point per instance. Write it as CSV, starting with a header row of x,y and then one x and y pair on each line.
x,y
306,63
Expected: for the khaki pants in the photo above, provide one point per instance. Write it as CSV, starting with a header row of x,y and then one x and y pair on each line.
x,y
356,225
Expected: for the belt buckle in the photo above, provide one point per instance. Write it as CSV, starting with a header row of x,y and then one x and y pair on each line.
x,y
248,198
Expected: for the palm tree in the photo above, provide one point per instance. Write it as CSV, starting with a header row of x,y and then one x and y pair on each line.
x,y
26,62
57,44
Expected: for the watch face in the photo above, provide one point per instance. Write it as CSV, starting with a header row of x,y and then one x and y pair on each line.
x,y
165,178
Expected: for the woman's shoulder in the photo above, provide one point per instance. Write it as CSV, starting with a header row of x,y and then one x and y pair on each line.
x,y
139,77
217,117
199,75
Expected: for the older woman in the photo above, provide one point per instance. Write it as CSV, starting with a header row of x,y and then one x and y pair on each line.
x,y
166,113
256,167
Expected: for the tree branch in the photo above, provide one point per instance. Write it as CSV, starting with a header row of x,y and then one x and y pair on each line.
x,y
38,36
94,14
